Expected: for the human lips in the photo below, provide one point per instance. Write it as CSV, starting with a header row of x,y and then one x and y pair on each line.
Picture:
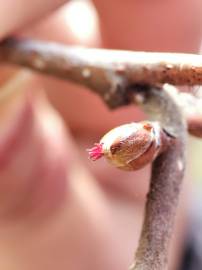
x,y
33,158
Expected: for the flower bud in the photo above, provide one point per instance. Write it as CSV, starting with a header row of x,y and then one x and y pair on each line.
x,y
130,146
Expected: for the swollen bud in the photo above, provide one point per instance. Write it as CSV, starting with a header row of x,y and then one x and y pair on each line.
x,y
131,146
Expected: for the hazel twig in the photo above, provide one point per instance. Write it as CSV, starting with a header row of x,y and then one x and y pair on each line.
x,y
121,78
132,146
106,72
166,180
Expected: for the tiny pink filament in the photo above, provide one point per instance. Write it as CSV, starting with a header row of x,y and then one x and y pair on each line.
x,y
96,152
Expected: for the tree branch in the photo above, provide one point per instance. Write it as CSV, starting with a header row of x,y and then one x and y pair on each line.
x,y
120,78
107,72
166,179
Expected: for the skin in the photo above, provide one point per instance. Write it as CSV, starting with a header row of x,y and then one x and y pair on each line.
x,y
58,210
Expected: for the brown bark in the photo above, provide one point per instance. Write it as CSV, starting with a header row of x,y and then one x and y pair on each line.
x,y
166,180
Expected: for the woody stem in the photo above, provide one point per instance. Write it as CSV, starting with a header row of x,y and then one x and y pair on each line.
x,y
165,186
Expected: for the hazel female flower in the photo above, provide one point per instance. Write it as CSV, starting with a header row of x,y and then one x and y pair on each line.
x,y
131,146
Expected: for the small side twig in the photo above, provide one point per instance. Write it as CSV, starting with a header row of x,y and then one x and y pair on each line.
x,y
166,179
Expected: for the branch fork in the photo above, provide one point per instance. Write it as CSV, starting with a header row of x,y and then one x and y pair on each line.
x,y
132,146
121,78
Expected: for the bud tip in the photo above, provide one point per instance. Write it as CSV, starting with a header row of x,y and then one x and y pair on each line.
x,y
96,152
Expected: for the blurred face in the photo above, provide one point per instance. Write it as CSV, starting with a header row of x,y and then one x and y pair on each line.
x,y
132,25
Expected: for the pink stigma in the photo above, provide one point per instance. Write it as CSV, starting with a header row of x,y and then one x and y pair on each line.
x,y
96,152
